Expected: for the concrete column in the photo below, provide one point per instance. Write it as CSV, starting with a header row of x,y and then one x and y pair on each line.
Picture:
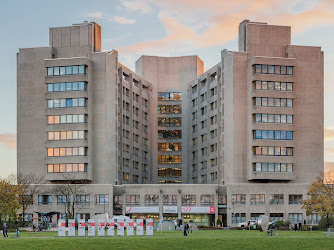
x,y
161,203
179,203
124,202
216,206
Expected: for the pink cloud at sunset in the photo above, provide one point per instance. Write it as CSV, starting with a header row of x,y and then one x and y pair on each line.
x,y
221,20
8,141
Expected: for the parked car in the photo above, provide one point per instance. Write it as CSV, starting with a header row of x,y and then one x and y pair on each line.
x,y
245,223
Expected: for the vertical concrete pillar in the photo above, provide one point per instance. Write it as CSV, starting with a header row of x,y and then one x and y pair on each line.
x,y
179,203
161,202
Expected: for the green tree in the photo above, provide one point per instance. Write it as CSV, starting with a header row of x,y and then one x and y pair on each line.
x,y
9,199
321,196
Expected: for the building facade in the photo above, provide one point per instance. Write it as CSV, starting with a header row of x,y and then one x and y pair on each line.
x,y
242,139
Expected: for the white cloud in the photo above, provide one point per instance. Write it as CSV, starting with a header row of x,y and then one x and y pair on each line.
x,y
94,14
123,20
137,5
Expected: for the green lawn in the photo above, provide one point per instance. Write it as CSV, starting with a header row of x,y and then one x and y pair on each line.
x,y
209,239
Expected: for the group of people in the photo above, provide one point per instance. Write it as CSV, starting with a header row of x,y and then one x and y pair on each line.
x,y
5,231
186,228
299,226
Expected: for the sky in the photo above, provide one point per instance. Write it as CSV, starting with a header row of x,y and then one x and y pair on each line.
x,y
162,28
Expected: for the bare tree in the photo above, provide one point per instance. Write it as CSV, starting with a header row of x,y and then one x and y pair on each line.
x,y
31,186
70,189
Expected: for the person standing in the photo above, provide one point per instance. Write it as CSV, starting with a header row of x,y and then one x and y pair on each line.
x,y
300,226
191,228
5,230
185,229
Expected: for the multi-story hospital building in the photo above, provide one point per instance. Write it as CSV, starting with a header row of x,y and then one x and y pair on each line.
x,y
242,139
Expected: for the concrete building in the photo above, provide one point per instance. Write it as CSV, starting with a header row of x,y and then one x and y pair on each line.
x,y
244,138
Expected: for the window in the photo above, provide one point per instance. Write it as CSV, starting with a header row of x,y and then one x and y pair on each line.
x,y
272,102
295,199
193,89
169,171
28,217
168,159
255,216
166,122
132,199
67,86
238,217
238,198
169,109
222,201
170,199
167,134
151,199
213,162
295,218
313,219
67,135
272,118
82,216
169,146
67,168
277,86
273,167
82,199
212,134
63,199
57,119
273,69
125,176
166,96
101,199
273,134
44,199
188,199
257,199
68,70
67,103
277,199
276,216
207,200
203,164
273,151
213,119
74,151
118,201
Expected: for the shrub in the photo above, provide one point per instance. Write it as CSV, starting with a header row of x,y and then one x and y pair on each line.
x,y
326,223
282,223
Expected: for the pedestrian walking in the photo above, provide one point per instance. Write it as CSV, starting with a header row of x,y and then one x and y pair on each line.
x,y
17,233
185,230
191,228
296,228
300,226
5,230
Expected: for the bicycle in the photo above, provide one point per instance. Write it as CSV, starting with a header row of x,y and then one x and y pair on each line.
x,y
272,232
